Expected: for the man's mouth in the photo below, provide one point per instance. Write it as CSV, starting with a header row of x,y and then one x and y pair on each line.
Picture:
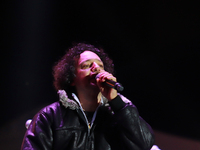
x,y
93,79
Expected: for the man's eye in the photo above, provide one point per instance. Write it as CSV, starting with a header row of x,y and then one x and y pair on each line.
x,y
101,66
85,66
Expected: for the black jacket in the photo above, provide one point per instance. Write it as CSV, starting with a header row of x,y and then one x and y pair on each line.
x,y
117,126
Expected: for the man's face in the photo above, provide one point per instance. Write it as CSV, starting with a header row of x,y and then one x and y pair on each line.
x,y
88,65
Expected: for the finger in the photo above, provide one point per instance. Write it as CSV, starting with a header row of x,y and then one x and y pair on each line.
x,y
110,77
105,75
102,76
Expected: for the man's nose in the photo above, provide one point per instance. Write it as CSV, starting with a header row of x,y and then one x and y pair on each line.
x,y
95,67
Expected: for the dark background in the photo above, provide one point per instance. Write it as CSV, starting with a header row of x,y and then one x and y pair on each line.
x,y
155,47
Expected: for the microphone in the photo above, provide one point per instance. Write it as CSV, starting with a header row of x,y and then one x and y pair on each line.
x,y
117,86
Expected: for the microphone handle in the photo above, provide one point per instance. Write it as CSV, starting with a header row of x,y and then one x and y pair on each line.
x,y
114,85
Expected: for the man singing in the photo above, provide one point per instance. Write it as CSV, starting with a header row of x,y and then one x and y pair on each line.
x,y
89,114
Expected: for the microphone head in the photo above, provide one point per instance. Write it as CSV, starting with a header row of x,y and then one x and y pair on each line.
x,y
97,76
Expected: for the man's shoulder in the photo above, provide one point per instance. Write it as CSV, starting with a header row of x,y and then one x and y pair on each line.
x,y
53,107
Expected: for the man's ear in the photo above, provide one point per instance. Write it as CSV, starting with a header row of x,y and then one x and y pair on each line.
x,y
72,82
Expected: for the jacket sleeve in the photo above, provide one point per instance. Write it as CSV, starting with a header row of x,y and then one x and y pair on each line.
x,y
134,132
39,134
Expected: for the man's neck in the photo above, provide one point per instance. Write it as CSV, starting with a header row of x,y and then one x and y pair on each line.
x,y
89,101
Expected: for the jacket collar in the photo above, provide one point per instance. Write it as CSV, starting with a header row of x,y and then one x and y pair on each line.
x,y
74,103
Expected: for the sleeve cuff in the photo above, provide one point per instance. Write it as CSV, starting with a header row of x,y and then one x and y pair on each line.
x,y
117,103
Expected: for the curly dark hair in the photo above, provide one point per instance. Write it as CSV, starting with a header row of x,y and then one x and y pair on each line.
x,y
64,70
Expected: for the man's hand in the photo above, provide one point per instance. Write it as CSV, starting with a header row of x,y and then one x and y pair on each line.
x,y
106,91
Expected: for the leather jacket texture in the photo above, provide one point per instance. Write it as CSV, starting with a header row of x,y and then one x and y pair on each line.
x,y
116,125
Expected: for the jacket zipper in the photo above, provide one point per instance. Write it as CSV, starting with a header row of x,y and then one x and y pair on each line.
x,y
93,118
